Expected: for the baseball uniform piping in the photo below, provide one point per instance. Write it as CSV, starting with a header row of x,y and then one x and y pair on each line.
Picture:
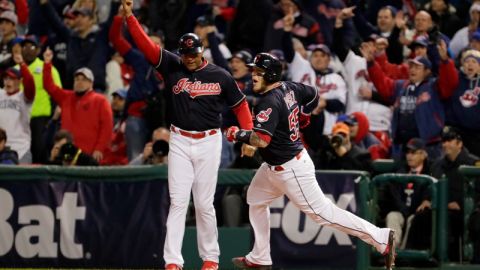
x,y
311,208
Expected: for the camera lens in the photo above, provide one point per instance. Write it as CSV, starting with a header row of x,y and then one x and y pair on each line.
x,y
337,140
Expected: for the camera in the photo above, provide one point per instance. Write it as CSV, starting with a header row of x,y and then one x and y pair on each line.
x,y
337,140
160,148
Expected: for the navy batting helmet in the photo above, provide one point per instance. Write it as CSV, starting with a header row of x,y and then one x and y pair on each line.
x,y
272,66
190,43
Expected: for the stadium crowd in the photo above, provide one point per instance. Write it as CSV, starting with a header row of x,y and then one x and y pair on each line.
x,y
397,79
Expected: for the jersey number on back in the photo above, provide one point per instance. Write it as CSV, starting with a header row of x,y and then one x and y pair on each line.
x,y
293,124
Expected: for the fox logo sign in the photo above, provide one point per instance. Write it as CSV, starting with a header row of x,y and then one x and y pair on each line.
x,y
290,217
38,223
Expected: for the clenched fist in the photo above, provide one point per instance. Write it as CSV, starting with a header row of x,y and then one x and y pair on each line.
x,y
231,133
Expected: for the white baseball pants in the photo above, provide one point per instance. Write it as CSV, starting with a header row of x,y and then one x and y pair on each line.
x,y
297,181
192,166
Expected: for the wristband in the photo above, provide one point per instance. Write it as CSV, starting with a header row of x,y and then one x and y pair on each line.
x,y
243,136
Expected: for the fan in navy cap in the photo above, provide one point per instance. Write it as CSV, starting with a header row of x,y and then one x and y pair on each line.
x,y
288,169
450,133
419,46
454,156
198,92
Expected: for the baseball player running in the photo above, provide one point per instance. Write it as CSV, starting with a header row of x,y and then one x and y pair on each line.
x,y
199,91
288,169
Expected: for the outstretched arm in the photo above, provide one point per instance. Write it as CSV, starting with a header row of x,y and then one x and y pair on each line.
x,y
253,138
340,49
151,50
27,78
116,38
56,92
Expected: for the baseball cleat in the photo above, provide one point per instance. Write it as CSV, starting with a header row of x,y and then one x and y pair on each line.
x,y
172,266
389,252
243,263
209,265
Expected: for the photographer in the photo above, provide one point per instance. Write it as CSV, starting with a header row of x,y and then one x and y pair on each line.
x,y
159,154
154,152
71,155
347,156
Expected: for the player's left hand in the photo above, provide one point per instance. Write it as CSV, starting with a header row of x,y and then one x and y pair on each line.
x,y
248,150
231,133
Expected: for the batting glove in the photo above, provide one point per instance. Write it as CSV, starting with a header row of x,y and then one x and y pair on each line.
x,y
231,133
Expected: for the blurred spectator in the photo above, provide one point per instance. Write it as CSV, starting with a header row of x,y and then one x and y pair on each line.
x,y
159,134
71,155
418,48
8,22
346,155
317,73
374,7
145,106
119,74
406,197
87,44
160,152
358,81
474,42
42,105
462,106
249,15
388,27
168,16
444,16
454,156
305,28
118,105
59,35
325,12
21,8
15,107
240,71
85,113
424,26
418,110
7,155
220,12
215,51
61,137
462,37
362,137
89,5
116,153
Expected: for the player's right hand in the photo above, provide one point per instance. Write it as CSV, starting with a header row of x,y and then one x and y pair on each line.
x,y
47,56
127,7
231,133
